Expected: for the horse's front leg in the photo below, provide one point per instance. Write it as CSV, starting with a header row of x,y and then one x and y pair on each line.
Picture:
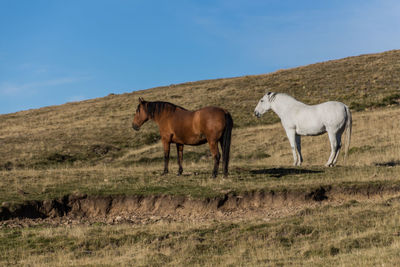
x,y
216,155
166,144
291,134
179,148
298,147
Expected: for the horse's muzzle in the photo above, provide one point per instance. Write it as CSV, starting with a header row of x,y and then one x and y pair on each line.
x,y
257,114
135,127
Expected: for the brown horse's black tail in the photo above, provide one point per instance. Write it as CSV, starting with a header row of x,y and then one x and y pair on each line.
x,y
226,141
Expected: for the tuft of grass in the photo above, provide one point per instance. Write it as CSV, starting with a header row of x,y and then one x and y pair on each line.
x,y
388,100
150,138
356,150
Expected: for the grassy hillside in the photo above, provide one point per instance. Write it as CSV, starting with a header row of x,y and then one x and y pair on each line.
x,y
85,159
261,160
99,130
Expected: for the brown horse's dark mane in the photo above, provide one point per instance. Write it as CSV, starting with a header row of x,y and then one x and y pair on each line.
x,y
157,107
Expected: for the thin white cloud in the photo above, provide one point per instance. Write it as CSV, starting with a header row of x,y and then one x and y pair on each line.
x,y
13,89
76,98
297,36
32,68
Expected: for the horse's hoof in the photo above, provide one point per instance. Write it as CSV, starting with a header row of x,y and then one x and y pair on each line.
x,y
164,173
180,171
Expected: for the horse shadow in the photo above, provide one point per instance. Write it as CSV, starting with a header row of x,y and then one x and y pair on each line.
x,y
281,172
388,163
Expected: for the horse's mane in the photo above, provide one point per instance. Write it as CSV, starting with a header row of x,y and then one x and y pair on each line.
x,y
283,97
272,96
156,107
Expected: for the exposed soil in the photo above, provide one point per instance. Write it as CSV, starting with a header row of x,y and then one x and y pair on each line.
x,y
83,209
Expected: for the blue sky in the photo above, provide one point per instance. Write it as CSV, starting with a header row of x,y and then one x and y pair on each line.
x,y
53,52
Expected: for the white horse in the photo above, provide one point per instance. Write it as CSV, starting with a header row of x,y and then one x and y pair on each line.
x,y
300,119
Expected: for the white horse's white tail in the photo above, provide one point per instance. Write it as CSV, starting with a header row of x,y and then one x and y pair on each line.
x,y
349,123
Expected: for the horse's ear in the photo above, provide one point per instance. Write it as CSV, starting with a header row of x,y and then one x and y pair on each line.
x,y
141,100
271,96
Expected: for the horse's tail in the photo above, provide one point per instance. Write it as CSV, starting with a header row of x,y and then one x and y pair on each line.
x,y
349,123
226,141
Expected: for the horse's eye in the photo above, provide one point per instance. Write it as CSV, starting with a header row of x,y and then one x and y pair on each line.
x,y
262,100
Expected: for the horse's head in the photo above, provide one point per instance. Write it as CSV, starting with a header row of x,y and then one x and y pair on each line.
x,y
141,115
264,104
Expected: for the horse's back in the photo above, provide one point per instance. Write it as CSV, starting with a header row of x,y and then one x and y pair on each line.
x,y
332,108
210,115
206,112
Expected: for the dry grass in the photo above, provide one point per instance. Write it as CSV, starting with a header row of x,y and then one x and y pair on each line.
x,y
89,147
255,150
351,234
344,232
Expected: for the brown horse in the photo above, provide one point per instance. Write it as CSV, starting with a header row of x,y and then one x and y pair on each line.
x,y
183,127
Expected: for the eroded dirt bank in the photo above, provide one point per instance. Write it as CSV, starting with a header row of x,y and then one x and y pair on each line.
x,y
139,209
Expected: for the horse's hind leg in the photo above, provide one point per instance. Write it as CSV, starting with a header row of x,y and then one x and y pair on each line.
x,y
216,156
225,160
224,165
179,148
339,145
335,146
